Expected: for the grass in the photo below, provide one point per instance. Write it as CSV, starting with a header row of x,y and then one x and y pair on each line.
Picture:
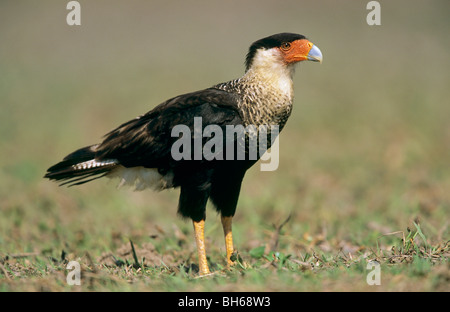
x,y
363,172
145,269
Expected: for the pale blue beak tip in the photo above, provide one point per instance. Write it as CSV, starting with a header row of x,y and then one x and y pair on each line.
x,y
315,54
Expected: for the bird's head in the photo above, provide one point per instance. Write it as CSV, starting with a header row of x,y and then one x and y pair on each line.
x,y
282,49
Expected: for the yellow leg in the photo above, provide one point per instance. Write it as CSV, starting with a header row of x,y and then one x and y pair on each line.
x,y
199,231
226,223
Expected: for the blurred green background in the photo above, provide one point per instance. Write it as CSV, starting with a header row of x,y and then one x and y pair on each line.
x,y
365,152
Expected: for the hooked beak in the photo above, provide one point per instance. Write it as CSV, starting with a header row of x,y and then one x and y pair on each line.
x,y
314,54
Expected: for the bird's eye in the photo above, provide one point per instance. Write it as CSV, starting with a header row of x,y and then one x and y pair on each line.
x,y
285,46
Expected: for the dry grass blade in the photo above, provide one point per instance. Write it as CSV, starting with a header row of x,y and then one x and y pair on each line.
x,y
273,244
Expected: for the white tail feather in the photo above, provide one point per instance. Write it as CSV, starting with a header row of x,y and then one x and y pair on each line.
x,y
142,178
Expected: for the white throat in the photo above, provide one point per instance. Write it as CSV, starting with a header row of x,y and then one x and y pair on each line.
x,y
269,67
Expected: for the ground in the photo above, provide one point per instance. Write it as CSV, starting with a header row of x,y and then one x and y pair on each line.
x,y
363,174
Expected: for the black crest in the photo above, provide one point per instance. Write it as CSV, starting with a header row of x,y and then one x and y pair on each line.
x,y
269,43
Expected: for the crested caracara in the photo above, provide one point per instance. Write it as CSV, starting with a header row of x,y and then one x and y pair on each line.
x,y
140,152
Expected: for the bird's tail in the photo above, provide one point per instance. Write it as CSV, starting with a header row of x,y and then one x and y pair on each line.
x,y
80,167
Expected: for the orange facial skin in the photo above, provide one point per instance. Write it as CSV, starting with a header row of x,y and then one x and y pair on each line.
x,y
296,51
